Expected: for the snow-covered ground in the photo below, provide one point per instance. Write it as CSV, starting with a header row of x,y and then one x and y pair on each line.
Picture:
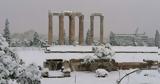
x,y
135,57
38,56
115,48
134,49
143,77
70,48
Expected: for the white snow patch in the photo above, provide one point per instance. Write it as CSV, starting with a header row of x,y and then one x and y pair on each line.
x,y
89,78
55,73
134,49
115,48
38,56
135,57
70,48
101,73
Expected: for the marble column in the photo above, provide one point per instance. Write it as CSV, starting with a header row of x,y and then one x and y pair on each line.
x,y
61,30
50,30
91,30
81,29
71,29
101,28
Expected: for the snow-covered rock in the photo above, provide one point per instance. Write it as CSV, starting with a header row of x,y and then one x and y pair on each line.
x,y
101,73
67,70
44,72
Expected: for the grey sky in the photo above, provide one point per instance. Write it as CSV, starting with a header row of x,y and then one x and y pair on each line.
x,y
121,16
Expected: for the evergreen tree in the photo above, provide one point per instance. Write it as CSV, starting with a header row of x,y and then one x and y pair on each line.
x,y
6,34
65,38
112,39
11,67
157,38
88,38
36,40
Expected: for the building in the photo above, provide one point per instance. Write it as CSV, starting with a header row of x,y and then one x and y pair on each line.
x,y
129,39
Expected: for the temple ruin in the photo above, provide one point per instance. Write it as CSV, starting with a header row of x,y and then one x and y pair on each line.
x,y
92,27
72,16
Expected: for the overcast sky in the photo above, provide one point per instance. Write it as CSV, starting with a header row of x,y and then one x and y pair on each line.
x,y
121,16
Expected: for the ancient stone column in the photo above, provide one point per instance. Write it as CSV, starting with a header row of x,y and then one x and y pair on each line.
x,y
50,30
91,29
61,29
71,29
101,28
81,29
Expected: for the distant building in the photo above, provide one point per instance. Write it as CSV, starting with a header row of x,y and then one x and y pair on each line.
x,y
130,40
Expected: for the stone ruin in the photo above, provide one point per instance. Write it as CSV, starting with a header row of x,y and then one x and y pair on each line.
x,y
72,16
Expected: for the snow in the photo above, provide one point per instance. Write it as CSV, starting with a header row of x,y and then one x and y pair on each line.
x,y
134,49
90,78
55,73
104,52
67,11
144,77
38,56
70,48
135,57
3,43
115,48
67,70
101,73
79,78
88,59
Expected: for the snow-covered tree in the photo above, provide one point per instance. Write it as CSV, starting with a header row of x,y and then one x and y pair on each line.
x,y
104,52
31,75
6,34
97,43
112,39
157,38
88,37
88,59
9,62
11,67
36,40
3,43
